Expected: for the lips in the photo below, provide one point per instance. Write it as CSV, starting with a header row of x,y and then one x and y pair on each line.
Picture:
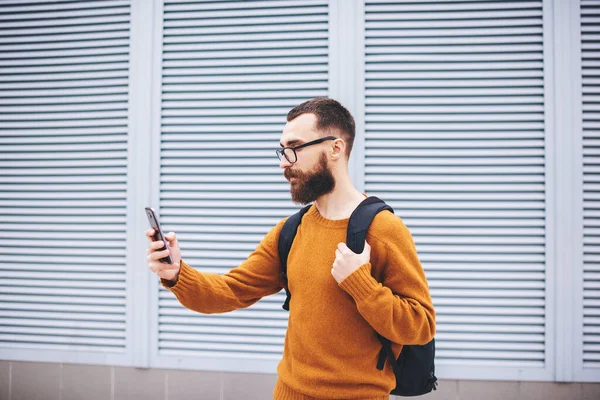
x,y
289,175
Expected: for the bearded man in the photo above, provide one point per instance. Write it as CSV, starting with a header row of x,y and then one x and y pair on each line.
x,y
341,300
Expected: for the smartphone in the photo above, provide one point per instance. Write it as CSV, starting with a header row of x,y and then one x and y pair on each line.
x,y
158,235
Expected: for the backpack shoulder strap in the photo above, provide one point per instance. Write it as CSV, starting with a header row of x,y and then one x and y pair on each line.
x,y
361,219
284,245
359,223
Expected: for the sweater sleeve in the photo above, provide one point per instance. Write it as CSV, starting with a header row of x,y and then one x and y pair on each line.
x,y
400,307
241,287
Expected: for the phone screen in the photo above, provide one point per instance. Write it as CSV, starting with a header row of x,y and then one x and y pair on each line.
x,y
158,235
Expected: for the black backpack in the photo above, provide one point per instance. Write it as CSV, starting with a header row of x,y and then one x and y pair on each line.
x,y
414,368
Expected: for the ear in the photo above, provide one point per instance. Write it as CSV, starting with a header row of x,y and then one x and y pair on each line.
x,y
338,149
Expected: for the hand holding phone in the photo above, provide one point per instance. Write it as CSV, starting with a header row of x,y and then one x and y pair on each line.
x,y
158,235
163,260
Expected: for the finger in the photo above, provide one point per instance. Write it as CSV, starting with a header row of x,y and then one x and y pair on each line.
x,y
151,248
157,255
157,245
158,266
171,237
342,247
150,233
335,274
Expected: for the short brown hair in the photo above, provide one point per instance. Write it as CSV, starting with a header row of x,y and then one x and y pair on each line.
x,y
331,115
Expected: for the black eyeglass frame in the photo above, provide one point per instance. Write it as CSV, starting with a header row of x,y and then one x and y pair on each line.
x,y
281,152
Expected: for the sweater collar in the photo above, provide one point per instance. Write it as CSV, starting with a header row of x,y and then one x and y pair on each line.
x,y
315,216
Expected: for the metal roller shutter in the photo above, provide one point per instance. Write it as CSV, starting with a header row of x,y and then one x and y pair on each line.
x,y
590,45
455,143
231,71
63,171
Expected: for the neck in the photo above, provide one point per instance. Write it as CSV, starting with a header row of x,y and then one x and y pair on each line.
x,y
342,201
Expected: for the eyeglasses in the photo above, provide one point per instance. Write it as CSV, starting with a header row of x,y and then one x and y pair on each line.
x,y
290,152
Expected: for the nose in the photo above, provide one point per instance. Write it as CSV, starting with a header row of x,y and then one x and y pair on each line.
x,y
284,163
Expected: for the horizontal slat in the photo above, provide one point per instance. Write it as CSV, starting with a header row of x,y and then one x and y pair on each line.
x,y
454,143
445,13
74,279
111,16
241,38
221,338
317,58
252,54
74,270
113,47
300,46
248,16
66,5
219,81
447,57
450,7
375,42
120,25
390,48
474,118
63,101
66,92
492,355
49,85
66,259
25,332
182,317
225,5
463,33
453,101
223,87
74,40
451,109
293,17
406,22
481,186
274,28
42,318
57,323
71,340
66,68
228,347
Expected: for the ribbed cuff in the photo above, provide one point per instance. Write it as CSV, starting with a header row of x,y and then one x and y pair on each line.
x,y
360,284
185,276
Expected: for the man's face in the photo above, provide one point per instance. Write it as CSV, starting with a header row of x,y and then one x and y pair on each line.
x,y
310,176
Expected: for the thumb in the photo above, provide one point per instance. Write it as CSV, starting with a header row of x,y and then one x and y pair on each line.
x,y
367,248
171,237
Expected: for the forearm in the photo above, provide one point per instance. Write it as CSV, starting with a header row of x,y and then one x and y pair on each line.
x,y
403,319
258,276
212,293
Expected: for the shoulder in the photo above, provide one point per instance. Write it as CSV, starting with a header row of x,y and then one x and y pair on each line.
x,y
387,226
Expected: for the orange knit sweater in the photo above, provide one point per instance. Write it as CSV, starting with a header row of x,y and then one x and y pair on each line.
x,y
330,349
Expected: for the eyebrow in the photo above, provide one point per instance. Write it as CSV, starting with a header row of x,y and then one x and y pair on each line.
x,y
291,143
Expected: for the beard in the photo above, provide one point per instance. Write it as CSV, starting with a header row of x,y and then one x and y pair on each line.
x,y
309,186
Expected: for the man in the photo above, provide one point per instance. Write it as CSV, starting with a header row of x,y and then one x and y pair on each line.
x,y
339,298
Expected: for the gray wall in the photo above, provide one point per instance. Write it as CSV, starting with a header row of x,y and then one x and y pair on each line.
x,y
49,381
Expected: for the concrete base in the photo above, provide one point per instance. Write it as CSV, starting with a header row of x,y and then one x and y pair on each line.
x,y
50,381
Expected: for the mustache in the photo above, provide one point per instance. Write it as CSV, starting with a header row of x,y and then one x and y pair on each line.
x,y
289,173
